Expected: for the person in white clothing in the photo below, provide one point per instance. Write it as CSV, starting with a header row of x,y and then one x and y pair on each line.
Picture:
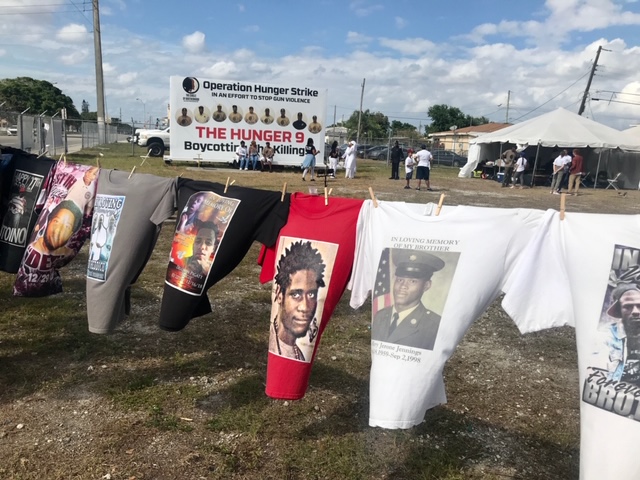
x,y
242,154
521,166
408,168
424,166
561,165
350,160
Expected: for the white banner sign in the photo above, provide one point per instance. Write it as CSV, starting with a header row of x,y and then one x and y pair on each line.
x,y
209,119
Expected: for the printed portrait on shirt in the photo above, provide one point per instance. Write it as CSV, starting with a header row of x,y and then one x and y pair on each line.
x,y
200,229
106,217
613,377
409,296
303,274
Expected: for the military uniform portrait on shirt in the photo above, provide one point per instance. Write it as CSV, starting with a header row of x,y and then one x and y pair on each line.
x,y
407,319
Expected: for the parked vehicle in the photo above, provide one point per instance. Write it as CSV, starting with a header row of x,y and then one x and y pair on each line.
x,y
373,152
12,130
156,141
447,158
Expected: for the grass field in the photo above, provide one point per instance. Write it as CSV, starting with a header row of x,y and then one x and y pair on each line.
x,y
146,404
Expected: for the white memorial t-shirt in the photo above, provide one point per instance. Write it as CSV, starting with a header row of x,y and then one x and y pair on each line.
x,y
395,244
572,274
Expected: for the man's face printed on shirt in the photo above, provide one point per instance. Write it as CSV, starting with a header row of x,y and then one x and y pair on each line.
x,y
630,311
299,303
407,291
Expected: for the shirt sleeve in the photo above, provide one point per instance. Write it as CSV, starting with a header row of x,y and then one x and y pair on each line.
x,y
167,205
360,284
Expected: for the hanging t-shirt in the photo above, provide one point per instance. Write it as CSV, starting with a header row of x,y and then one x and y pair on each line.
x,y
62,227
25,187
214,231
430,278
310,267
127,218
584,271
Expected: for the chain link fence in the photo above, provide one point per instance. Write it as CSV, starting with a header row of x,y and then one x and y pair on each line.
x,y
51,134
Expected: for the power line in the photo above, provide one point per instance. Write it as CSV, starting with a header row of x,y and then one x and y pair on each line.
x,y
552,98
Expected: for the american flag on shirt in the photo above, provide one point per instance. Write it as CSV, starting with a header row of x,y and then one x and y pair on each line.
x,y
382,289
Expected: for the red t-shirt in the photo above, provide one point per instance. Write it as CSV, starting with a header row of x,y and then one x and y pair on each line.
x,y
310,266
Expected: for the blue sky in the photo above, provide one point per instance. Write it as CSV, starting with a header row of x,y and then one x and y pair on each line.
x,y
413,53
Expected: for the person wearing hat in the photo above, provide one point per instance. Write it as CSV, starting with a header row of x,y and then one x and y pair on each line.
x,y
350,160
409,163
16,209
408,322
624,341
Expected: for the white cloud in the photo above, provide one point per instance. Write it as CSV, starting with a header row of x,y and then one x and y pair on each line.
x,y
73,33
3,52
194,43
400,23
221,70
128,78
75,57
408,46
362,8
241,8
357,38
252,28
108,68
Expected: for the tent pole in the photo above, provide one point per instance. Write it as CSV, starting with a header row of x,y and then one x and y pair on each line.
x,y
500,157
595,179
535,165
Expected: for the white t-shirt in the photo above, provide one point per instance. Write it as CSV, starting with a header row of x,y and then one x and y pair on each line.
x,y
521,164
568,275
408,164
406,370
424,158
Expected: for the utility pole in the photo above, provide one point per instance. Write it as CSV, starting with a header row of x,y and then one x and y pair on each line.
x,y
593,72
360,114
334,116
506,119
97,46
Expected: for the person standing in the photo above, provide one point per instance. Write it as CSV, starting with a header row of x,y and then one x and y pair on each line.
x,y
408,168
424,167
561,166
575,173
350,160
334,155
396,157
241,153
509,160
521,166
309,162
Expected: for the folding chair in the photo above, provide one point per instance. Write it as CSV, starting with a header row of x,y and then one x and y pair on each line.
x,y
613,182
584,179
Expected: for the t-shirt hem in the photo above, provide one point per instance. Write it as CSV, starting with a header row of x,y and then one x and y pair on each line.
x,y
394,425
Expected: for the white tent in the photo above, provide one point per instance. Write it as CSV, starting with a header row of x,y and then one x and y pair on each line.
x,y
547,133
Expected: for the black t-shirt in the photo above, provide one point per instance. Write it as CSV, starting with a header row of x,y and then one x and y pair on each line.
x,y
214,231
24,190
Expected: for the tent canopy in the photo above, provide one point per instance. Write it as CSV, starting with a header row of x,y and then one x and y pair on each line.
x,y
559,128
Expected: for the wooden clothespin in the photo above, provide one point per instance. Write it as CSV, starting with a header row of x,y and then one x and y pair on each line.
x,y
98,159
180,174
326,196
284,190
132,170
373,198
440,202
563,199
232,182
226,185
330,190
43,154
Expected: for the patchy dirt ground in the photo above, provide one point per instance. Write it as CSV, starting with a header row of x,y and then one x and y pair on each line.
x,y
147,404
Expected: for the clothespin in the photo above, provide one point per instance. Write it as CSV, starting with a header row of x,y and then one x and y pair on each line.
x,y
330,190
180,174
43,154
284,190
563,198
232,182
62,158
326,196
132,170
226,184
373,197
98,159
439,207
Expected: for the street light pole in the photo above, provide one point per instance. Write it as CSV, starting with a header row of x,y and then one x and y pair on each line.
x,y
144,112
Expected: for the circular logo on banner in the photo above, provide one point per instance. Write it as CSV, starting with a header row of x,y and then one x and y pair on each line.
x,y
190,84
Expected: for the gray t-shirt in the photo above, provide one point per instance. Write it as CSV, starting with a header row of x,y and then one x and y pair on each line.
x,y
127,217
